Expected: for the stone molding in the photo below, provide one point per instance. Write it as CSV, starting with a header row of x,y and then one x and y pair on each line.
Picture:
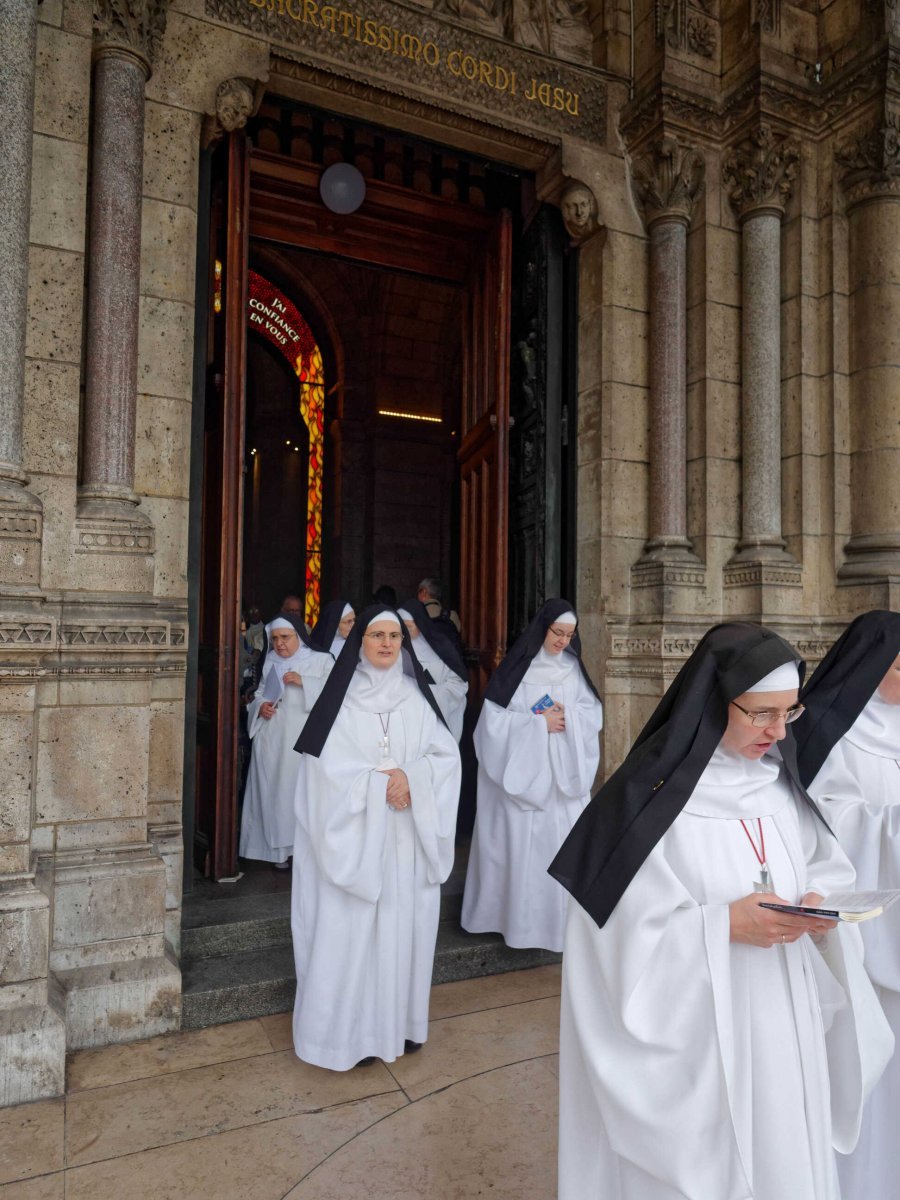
x,y
667,180
763,574
650,573
133,26
685,25
759,172
656,645
110,636
113,535
869,162
765,15
10,673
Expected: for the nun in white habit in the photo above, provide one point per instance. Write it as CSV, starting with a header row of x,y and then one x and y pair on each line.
x,y
331,630
848,750
535,771
711,1049
292,677
376,818
442,661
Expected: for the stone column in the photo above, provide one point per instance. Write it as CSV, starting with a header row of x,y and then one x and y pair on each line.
x,y
758,175
20,512
869,163
668,180
126,36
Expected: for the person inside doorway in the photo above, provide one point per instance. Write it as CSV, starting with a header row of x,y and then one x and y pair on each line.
x,y
333,627
293,676
538,747
376,817
292,605
429,593
711,1047
442,661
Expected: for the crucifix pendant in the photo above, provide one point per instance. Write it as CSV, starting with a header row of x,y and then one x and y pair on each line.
x,y
384,745
763,884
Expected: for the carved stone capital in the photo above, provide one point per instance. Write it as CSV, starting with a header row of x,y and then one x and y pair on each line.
x,y
133,26
667,180
237,100
869,164
760,171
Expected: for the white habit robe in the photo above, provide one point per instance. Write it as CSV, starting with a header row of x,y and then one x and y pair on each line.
x,y
692,1068
532,787
367,881
859,787
267,819
448,689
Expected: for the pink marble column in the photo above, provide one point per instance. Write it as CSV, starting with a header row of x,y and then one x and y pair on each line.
x,y
667,180
126,34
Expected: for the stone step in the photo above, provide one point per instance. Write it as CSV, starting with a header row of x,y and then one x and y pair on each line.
x,y
259,982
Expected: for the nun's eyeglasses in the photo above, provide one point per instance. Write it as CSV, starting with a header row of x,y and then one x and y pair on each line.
x,y
380,635
562,633
761,717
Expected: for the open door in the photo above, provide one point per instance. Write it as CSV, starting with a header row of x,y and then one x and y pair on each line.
x,y
217,700
484,454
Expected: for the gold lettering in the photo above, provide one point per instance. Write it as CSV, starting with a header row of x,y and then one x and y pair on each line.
x,y
531,93
512,83
258,3
558,99
310,12
345,19
453,63
431,53
384,38
370,33
410,46
501,79
328,17
544,94
572,103
470,68
485,74
358,20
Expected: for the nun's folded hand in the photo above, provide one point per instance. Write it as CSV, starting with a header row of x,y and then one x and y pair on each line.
x,y
756,926
556,719
292,677
397,788
267,710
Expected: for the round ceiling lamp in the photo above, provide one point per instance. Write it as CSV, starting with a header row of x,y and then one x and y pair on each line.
x,y
342,188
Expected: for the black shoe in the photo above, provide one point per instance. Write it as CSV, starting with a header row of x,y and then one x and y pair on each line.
x,y
366,1062
411,1047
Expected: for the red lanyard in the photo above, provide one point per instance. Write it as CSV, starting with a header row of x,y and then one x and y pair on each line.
x,y
761,852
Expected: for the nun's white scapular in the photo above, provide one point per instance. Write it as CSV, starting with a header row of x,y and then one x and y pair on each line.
x,y
859,786
532,786
448,688
267,819
366,896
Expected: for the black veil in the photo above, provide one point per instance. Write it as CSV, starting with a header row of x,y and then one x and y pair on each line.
x,y
439,642
325,629
504,681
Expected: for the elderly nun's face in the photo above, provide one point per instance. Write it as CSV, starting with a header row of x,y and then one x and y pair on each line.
x,y
558,637
345,624
285,642
889,688
382,642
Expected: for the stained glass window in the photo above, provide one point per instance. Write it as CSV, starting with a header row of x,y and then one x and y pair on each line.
x,y
277,318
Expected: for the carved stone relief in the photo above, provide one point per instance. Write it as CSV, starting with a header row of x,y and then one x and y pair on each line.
x,y
134,25
580,213
760,171
668,179
869,163
685,25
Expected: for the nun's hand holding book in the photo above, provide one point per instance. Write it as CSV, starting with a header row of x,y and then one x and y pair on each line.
x,y
555,718
753,924
292,677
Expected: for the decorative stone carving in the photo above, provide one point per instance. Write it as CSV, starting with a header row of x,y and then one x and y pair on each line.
x,y
234,103
870,164
489,16
760,171
136,26
668,179
579,211
766,15
558,27
683,25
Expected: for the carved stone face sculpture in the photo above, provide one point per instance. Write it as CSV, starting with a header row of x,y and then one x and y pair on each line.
x,y
234,104
579,211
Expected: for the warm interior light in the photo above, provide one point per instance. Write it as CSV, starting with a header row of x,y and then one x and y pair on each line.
x,y
408,416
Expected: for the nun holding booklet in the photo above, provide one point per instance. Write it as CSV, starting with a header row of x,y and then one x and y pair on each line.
x,y
848,749
712,1048
538,748
376,820
293,674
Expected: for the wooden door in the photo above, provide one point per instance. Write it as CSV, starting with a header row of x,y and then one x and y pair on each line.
x,y
217,720
483,454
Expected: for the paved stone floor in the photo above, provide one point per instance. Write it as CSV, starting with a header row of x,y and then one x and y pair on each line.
x,y
231,1114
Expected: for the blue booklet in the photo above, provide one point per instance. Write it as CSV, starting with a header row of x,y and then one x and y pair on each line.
x,y
541,706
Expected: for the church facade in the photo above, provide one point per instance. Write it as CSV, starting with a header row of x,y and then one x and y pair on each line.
x,y
708,191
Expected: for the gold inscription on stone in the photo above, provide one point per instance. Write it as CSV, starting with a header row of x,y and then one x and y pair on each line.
x,y
390,39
